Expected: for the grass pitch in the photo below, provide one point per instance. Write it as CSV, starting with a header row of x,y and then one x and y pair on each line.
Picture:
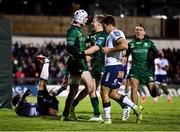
x,y
157,117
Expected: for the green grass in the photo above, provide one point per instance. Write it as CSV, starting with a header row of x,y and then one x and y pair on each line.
x,y
157,117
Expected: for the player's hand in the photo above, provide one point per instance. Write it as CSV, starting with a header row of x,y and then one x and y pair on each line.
x,y
81,55
28,92
88,58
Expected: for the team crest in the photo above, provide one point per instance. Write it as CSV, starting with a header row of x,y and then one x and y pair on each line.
x,y
145,44
98,42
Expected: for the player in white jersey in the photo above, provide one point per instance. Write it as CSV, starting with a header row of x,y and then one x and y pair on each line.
x,y
114,70
161,68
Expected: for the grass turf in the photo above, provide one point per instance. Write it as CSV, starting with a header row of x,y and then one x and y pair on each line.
x,y
157,117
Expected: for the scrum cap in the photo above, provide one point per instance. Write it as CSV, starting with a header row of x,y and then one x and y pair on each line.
x,y
79,15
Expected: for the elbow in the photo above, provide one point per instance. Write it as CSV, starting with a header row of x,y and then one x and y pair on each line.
x,y
125,47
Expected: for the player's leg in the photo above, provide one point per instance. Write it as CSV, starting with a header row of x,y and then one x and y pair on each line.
x,y
127,85
153,89
126,109
85,91
95,101
124,99
165,88
142,93
74,84
149,80
44,75
47,104
88,83
166,92
106,104
134,89
76,101
64,84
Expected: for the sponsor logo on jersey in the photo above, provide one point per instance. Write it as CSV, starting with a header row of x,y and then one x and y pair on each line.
x,y
138,42
117,34
140,50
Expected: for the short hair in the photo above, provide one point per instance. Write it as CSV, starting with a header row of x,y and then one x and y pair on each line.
x,y
141,25
109,19
99,18
16,99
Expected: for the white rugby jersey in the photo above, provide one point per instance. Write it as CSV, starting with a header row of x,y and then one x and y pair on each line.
x,y
114,58
161,62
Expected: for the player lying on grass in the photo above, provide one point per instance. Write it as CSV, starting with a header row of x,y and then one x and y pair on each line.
x,y
47,103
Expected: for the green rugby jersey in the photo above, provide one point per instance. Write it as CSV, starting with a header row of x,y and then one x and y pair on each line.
x,y
139,51
98,38
76,42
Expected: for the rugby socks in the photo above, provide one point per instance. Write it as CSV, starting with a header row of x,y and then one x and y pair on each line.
x,y
45,70
122,104
75,103
65,113
107,110
125,100
95,104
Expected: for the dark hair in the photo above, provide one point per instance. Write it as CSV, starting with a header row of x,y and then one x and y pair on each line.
x,y
16,99
141,25
109,19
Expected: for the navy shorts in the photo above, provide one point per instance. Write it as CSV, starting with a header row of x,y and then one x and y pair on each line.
x,y
161,79
113,76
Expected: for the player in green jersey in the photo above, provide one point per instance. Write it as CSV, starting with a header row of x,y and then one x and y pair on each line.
x,y
97,39
143,51
76,63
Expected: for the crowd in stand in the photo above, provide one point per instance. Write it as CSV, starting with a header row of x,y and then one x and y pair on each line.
x,y
26,69
173,57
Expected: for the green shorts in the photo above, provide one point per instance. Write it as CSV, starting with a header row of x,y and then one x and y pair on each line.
x,y
144,76
96,72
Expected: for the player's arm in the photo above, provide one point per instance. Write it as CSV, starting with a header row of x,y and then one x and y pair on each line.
x,y
124,57
92,50
23,98
97,45
119,46
166,67
158,51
